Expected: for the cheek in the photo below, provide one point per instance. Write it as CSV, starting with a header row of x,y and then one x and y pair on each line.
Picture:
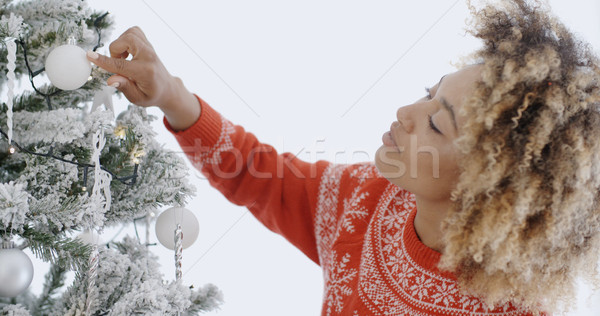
x,y
448,165
437,160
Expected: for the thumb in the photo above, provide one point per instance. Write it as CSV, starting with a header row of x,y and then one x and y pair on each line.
x,y
115,65
128,88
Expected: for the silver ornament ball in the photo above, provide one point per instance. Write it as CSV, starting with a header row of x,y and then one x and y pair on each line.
x,y
90,237
167,221
67,67
16,272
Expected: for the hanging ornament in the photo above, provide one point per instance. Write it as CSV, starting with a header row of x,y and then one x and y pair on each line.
x,y
67,66
101,196
13,27
16,270
92,275
11,47
178,252
101,200
149,218
104,97
167,222
90,237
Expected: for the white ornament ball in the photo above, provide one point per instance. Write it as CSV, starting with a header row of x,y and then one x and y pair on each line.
x,y
67,67
16,272
90,237
167,221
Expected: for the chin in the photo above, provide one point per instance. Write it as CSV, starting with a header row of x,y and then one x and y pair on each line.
x,y
388,162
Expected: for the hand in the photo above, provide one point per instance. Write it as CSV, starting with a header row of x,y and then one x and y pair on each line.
x,y
144,80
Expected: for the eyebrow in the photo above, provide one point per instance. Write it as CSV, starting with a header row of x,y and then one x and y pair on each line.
x,y
448,106
450,109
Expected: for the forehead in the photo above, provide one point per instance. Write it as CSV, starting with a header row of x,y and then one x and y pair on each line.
x,y
456,87
462,80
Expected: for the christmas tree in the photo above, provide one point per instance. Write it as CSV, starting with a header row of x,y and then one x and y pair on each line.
x,y
67,165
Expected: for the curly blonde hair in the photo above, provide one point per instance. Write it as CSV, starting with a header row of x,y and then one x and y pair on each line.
x,y
526,217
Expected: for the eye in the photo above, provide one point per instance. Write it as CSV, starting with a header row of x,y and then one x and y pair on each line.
x,y
432,126
428,91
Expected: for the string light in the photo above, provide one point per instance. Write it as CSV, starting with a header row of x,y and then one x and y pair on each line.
x,y
119,131
128,180
136,154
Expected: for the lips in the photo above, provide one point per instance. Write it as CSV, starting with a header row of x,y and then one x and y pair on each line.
x,y
387,137
388,140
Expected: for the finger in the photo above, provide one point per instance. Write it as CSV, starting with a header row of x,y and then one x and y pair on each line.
x,y
128,87
119,66
117,81
138,31
127,43
122,56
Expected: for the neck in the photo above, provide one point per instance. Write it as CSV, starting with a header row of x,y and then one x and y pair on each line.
x,y
428,222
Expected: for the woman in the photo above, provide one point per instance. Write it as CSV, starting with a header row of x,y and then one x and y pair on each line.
x,y
483,196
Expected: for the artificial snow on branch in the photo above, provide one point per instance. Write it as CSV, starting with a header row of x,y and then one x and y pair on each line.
x,y
14,203
44,193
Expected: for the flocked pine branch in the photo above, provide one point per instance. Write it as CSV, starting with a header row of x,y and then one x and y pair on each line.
x,y
66,252
130,284
54,281
46,201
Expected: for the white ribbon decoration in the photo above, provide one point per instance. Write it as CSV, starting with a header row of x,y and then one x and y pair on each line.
x,y
100,201
11,47
13,26
101,192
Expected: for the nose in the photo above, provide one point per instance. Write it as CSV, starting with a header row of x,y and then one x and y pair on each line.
x,y
404,117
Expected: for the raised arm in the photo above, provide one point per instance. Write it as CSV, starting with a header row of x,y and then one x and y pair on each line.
x,y
280,190
145,81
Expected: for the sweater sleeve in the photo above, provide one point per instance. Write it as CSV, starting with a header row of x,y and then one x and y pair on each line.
x,y
280,190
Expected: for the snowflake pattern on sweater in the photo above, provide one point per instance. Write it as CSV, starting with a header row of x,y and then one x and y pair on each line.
x,y
347,218
390,281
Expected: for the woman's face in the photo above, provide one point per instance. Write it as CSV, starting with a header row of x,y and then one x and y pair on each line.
x,y
418,152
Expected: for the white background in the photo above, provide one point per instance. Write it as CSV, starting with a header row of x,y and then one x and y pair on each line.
x,y
304,76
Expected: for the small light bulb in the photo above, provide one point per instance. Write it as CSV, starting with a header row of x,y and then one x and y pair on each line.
x,y
90,78
152,214
11,149
84,189
120,132
136,161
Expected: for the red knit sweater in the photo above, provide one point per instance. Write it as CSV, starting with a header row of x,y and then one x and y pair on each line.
x,y
347,218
